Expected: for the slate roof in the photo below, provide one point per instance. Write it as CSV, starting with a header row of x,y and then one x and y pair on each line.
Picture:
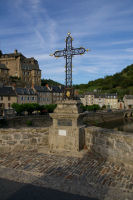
x,y
25,91
111,96
2,66
29,66
7,91
99,95
42,89
56,89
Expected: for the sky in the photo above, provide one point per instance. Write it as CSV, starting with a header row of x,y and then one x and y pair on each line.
x,y
37,28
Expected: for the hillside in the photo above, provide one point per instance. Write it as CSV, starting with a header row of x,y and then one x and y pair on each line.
x,y
122,83
49,82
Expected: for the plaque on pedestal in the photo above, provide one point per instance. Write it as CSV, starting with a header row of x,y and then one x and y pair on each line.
x,y
67,131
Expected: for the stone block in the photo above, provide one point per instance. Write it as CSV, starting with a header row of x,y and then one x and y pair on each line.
x,y
25,142
33,141
6,137
17,136
11,142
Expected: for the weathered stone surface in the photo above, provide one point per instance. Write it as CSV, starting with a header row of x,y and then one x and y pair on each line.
x,y
88,175
110,144
19,139
66,133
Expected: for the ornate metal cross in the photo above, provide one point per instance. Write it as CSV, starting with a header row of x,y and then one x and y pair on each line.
x,y
68,53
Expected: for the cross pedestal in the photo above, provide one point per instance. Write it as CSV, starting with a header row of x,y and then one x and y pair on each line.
x,y
67,131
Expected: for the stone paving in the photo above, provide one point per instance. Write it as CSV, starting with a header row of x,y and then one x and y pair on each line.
x,y
87,175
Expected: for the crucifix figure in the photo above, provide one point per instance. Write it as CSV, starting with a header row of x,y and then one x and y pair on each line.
x,y
68,53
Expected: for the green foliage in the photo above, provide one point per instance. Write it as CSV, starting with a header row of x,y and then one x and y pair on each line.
x,y
90,107
31,107
50,108
49,82
120,83
19,108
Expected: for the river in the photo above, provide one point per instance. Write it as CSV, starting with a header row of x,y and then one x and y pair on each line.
x,y
119,125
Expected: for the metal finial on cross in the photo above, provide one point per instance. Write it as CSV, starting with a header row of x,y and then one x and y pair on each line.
x,y
68,53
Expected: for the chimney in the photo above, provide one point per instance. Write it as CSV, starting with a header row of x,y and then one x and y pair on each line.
x,y
15,51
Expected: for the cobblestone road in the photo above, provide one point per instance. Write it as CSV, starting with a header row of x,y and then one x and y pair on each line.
x,y
87,176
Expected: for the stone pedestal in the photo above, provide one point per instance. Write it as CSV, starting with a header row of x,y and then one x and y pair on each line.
x,y
67,131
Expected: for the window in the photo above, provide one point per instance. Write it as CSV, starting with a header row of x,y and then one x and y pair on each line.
x,y
1,97
22,98
9,98
9,105
32,98
28,98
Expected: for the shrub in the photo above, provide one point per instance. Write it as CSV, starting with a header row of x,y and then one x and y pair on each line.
x,y
93,107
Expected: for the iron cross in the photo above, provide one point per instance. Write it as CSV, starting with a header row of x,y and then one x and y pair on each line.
x,y
68,53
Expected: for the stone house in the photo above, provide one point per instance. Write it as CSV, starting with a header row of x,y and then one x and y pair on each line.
x,y
111,101
26,95
128,101
21,67
100,99
44,95
7,98
4,75
57,94
82,99
87,99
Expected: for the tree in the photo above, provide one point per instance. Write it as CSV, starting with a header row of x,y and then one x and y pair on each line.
x,y
19,108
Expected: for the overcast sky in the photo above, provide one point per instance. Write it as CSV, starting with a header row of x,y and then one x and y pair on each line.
x,y
39,27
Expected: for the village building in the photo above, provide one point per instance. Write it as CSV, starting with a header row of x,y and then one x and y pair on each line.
x,y
17,65
111,101
7,98
100,100
4,75
128,101
108,100
44,95
87,99
26,95
57,94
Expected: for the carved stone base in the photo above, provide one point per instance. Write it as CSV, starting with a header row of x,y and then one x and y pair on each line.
x,y
67,131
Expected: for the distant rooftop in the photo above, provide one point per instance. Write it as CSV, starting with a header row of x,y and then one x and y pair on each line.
x,y
25,91
7,91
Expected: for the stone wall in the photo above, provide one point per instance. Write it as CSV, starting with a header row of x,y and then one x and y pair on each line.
x,y
35,120
96,118
23,139
110,144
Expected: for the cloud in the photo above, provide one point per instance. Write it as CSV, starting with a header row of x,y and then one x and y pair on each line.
x,y
122,42
129,50
38,28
